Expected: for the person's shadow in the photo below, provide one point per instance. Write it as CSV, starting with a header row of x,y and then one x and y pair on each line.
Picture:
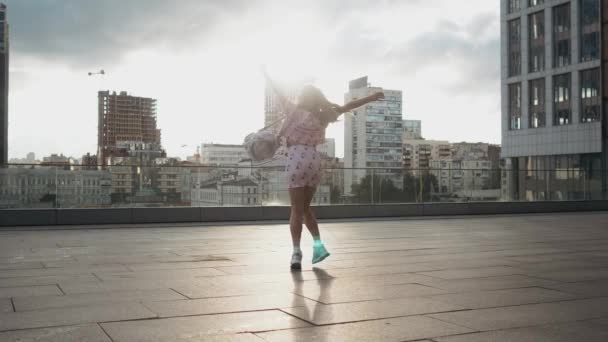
x,y
320,310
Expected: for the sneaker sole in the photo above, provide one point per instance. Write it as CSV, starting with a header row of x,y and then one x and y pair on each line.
x,y
321,258
296,266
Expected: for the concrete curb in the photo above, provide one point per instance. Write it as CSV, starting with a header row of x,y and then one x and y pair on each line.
x,y
54,217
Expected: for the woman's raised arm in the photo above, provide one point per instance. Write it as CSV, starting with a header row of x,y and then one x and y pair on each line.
x,y
360,102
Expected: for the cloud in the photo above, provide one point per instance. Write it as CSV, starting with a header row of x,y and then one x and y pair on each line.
x,y
471,49
86,32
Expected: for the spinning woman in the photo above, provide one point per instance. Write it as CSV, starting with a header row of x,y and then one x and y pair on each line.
x,y
304,129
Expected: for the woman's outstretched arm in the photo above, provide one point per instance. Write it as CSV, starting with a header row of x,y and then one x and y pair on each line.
x,y
360,102
337,110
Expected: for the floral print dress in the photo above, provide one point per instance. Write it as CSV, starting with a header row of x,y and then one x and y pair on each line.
x,y
303,131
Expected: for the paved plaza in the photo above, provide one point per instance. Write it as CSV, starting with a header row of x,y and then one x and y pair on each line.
x,y
467,279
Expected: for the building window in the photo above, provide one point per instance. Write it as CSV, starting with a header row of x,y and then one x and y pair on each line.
x,y
536,35
590,30
561,35
537,103
515,106
515,47
534,3
590,95
514,6
561,98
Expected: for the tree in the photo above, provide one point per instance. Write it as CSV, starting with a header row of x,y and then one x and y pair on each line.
x,y
335,194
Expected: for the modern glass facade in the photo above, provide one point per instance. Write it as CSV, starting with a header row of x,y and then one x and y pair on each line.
x,y
559,177
562,108
536,41
515,47
536,104
590,30
554,106
534,3
514,6
515,106
590,95
561,36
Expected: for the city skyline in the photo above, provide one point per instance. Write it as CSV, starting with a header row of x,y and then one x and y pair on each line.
x,y
205,73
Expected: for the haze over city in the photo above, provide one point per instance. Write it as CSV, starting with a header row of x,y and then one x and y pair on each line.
x,y
201,60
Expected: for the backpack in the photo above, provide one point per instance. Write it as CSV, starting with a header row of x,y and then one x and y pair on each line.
x,y
263,144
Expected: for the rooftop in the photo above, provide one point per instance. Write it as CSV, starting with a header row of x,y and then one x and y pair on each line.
x,y
537,277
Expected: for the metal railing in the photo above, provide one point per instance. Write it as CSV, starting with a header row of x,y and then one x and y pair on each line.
x,y
95,186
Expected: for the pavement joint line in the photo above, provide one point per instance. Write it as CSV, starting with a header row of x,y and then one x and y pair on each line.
x,y
484,277
379,318
299,318
60,289
105,332
97,277
452,323
181,294
193,315
516,328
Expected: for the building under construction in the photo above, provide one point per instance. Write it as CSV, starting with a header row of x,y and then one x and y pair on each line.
x,y
124,118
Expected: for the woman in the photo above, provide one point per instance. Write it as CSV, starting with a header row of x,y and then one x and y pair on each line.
x,y
304,129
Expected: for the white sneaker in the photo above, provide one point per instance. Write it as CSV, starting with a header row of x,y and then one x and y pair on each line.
x,y
296,261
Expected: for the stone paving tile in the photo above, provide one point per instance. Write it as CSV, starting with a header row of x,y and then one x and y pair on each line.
x,y
496,298
24,291
198,328
391,269
567,332
563,265
20,265
329,293
6,305
71,316
46,280
572,275
489,283
475,263
592,288
473,272
180,265
73,333
125,285
528,315
320,314
89,299
211,291
161,274
227,304
60,271
395,329
548,258
602,322
374,264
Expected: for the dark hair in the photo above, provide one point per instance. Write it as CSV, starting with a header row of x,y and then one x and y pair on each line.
x,y
313,100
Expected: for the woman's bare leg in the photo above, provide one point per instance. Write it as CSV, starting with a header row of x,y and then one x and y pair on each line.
x,y
309,215
298,200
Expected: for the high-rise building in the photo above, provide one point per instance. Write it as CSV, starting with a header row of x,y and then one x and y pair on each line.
x,y
328,148
554,136
4,52
412,129
125,119
418,154
272,110
373,135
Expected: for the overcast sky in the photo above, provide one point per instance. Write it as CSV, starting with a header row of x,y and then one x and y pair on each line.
x,y
201,59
